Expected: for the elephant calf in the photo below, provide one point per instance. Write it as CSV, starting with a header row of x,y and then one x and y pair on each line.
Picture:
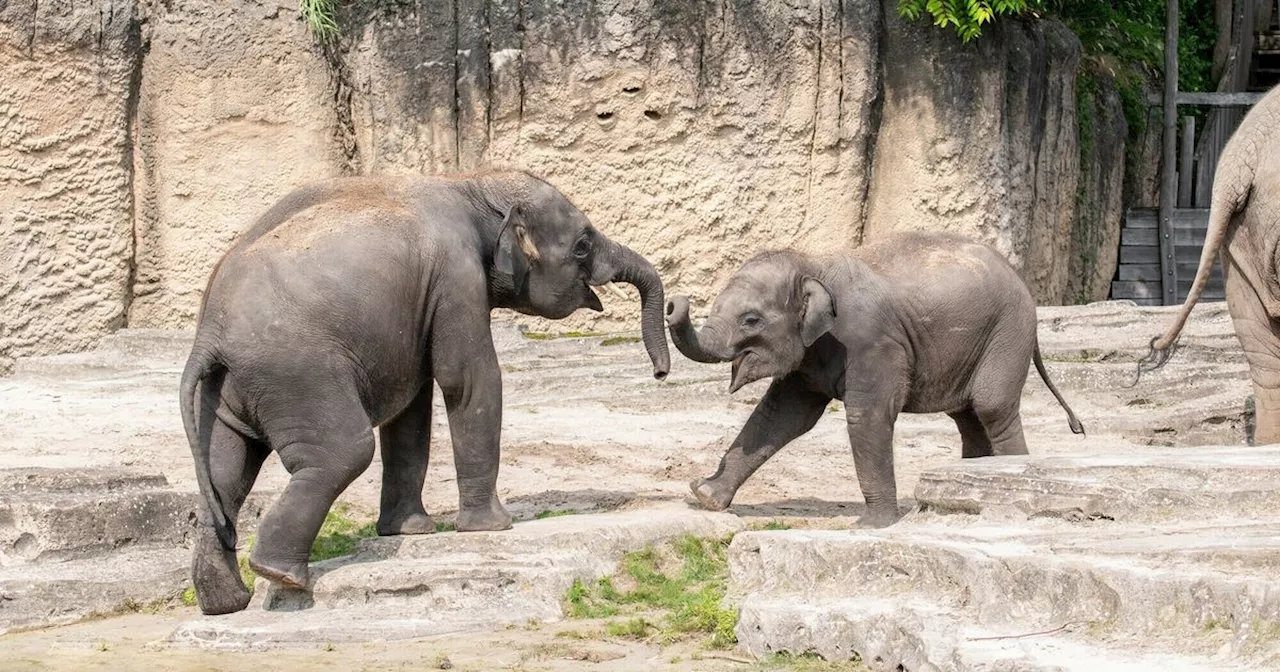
x,y
916,323
334,315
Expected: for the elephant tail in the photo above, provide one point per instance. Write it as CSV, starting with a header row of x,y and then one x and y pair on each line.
x,y
202,363
1076,427
1221,209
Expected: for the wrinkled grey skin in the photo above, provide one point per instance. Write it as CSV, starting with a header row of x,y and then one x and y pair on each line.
x,y
333,315
1244,225
916,323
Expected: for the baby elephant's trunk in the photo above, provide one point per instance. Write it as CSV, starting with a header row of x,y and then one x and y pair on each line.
x,y
707,346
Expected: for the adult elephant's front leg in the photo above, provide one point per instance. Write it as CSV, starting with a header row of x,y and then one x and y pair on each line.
x,y
406,447
787,410
466,368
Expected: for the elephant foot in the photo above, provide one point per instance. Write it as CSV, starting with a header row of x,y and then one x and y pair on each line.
x,y
295,576
490,518
708,496
216,577
414,523
877,517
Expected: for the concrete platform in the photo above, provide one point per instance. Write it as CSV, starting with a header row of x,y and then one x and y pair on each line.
x,y
406,587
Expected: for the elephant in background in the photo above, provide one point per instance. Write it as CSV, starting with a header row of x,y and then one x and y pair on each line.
x,y
335,313
915,323
1244,226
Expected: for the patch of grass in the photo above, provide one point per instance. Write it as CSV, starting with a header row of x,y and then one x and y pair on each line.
x,y
545,336
771,525
320,17
443,526
188,597
681,586
809,662
633,628
340,534
1214,623
554,514
620,340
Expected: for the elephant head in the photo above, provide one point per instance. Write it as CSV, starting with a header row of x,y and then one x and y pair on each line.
x,y
548,256
773,308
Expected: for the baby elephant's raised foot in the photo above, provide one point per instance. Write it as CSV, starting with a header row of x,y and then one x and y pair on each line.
x,y
708,496
491,518
414,523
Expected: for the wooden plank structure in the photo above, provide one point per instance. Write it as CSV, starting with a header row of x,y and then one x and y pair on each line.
x,y
1160,249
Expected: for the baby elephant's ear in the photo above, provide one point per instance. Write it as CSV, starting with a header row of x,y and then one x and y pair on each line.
x,y
512,257
818,312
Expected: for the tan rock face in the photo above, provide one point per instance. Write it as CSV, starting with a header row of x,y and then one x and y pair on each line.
x,y
65,228
233,112
697,133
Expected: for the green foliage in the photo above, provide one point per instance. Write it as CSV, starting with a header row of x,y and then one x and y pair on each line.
x,y
339,534
445,527
554,514
965,16
189,596
685,583
320,17
620,340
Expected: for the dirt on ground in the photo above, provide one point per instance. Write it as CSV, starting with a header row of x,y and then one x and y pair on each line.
x,y
586,427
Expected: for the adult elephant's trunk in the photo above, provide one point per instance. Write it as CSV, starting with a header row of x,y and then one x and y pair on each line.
x,y
707,346
618,263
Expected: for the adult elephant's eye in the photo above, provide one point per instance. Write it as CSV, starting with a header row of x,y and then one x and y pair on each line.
x,y
581,249
751,320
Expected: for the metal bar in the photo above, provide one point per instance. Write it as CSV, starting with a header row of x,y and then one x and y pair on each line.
x,y
1168,265
1210,99
1188,156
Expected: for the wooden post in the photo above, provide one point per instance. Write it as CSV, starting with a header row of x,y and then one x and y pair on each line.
x,y
1185,166
1168,182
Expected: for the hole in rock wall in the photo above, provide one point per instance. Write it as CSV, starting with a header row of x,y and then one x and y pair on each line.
x,y
631,89
653,114
604,116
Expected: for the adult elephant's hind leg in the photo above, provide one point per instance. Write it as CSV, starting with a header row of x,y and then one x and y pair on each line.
x,y
973,437
235,462
1259,336
406,446
325,442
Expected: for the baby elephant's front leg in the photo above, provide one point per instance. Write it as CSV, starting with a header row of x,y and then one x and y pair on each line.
x,y
787,410
870,418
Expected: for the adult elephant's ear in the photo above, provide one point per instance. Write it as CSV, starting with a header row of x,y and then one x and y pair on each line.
x,y
818,312
515,249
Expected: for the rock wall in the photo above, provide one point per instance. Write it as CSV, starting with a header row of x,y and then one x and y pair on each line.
x,y
234,111
66,231
696,132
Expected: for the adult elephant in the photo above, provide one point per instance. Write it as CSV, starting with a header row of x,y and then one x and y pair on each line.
x,y
915,323
335,313
1244,226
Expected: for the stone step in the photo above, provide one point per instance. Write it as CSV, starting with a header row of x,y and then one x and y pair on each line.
x,y
915,634
57,593
1149,486
132,350
1001,577
53,515
412,586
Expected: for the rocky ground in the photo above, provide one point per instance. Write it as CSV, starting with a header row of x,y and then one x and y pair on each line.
x,y
1067,556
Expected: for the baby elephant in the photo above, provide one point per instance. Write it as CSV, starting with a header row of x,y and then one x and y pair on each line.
x,y
917,322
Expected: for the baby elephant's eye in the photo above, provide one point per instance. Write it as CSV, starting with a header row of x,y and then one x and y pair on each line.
x,y
581,249
751,320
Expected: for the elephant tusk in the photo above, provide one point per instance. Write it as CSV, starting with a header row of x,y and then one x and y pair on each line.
x,y
616,290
